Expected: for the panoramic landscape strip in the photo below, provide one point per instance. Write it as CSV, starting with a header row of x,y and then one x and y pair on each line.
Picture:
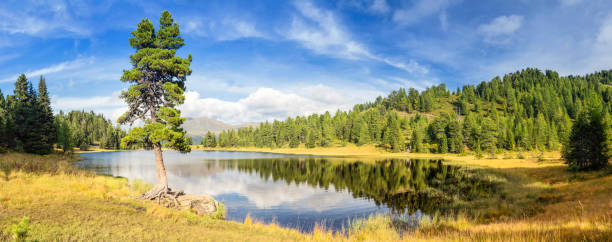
x,y
524,156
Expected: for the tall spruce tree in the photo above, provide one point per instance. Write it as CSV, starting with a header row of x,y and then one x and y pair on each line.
x,y
157,81
46,124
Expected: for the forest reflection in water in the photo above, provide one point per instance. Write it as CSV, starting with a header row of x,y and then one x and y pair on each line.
x,y
403,185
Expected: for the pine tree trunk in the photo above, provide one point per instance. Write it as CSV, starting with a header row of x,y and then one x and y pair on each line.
x,y
161,187
160,168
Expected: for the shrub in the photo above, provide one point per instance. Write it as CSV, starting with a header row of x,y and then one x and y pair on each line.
x,y
19,232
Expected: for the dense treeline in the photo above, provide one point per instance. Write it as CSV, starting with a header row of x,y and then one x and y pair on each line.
x,y
525,110
27,123
83,129
26,119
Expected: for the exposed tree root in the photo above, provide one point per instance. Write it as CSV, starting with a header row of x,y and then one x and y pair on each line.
x,y
164,195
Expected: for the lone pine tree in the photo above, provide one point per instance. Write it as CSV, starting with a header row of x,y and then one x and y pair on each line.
x,y
157,81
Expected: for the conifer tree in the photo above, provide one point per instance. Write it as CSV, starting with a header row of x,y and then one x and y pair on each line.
x,y
455,137
364,134
587,147
157,81
311,138
489,135
392,135
294,140
327,130
48,133
355,128
64,135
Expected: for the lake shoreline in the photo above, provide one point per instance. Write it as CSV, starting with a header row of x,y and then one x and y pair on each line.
x,y
366,153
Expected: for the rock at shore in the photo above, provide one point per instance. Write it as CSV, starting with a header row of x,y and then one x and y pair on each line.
x,y
204,205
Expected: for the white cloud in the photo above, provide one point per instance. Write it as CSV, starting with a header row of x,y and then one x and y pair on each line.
x,y
601,53
444,21
502,25
604,37
411,66
63,66
275,104
421,9
223,30
325,35
500,28
40,19
318,30
380,6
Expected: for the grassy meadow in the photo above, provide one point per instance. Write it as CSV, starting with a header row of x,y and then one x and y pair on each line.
x,y
544,202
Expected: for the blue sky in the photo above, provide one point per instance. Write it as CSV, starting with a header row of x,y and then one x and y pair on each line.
x,y
263,60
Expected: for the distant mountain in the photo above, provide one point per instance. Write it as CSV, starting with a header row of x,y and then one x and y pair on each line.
x,y
197,127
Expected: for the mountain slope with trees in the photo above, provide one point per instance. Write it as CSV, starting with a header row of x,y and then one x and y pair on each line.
x,y
524,110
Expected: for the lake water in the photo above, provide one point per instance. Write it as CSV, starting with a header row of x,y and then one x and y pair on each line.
x,y
297,191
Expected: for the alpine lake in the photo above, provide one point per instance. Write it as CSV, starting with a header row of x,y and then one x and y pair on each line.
x,y
301,192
